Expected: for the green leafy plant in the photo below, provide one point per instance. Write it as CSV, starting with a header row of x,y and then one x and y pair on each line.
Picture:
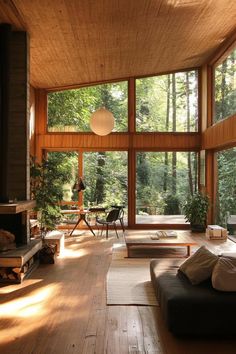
x,y
172,206
47,180
195,211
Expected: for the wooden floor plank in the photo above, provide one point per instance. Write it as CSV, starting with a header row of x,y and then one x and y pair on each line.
x,y
61,308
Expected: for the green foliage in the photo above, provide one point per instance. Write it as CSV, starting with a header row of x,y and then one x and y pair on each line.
x,y
73,108
226,192
225,88
172,205
152,201
106,178
154,103
47,180
154,170
196,209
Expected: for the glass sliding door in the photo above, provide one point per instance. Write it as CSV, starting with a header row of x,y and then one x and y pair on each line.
x,y
163,182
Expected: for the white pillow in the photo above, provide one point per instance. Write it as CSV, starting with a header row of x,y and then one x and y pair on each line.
x,y
224,274
199,266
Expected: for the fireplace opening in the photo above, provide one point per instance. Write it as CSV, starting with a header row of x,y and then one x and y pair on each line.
x,y
14,224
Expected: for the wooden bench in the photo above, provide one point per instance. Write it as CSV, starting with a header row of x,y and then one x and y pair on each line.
x,y
56,238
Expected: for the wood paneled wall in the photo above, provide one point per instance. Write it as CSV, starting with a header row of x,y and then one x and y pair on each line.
x,y
150,142
220,135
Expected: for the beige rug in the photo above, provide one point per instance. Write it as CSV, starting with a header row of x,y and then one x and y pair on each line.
x,y
128,280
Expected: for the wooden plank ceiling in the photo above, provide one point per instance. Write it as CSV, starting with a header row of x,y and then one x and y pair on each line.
x,y
75,42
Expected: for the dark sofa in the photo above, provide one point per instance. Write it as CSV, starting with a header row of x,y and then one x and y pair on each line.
x,y
192,309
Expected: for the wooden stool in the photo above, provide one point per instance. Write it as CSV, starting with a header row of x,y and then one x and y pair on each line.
x,y
56,238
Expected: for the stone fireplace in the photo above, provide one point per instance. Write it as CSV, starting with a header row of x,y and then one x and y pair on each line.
x,y
14,217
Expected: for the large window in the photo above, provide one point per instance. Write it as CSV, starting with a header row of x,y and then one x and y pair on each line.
x,y
70,110
106,178
167,103
225,88
163,182
226,189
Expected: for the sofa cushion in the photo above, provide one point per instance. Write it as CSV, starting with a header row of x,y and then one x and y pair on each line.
x,y
224,274
199,266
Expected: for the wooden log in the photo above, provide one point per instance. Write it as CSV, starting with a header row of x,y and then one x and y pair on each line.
x,y
16,270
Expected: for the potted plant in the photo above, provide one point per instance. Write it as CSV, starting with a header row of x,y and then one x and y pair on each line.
x,y
195,211
47,179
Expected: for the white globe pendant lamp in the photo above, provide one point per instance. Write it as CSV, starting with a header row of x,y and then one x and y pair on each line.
x,y
102,121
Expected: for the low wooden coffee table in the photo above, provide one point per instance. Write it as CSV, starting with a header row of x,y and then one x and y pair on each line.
x,y
183,240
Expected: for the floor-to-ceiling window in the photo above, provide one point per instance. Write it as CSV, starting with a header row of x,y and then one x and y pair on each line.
x,y
142,107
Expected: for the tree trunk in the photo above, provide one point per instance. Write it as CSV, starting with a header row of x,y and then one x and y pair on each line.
x,y
167,129
99,188
223,89
173,129
190,179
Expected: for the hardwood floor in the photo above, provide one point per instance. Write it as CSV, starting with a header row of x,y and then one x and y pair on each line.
x,y
62,308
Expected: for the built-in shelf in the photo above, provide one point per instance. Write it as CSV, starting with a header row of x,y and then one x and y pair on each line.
x,y
18,207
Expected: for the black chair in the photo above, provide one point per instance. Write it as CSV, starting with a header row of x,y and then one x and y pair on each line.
x,y
121,215
110,219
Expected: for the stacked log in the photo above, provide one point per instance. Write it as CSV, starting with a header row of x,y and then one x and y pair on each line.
x,y
16,274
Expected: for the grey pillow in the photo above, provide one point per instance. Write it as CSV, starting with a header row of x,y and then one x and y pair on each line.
x,y
199,266
224,274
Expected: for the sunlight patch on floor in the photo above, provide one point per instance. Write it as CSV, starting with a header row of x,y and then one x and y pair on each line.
x,y
12,287
29,305
74,253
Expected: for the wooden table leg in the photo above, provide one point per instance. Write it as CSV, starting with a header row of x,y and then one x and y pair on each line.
x,y
128,251
188,250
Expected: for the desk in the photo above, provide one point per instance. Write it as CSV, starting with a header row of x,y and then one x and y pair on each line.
x,y
81,217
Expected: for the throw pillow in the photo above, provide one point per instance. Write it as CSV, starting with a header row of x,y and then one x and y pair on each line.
x,y
224,274
199,266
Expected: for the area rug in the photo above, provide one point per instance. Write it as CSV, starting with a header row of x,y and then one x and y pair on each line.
x,y
128,283
128,279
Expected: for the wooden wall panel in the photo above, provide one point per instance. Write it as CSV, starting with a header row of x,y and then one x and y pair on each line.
x,y
158,141
167,141
221,135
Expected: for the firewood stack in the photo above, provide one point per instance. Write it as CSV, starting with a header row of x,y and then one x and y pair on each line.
x,y
16,275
